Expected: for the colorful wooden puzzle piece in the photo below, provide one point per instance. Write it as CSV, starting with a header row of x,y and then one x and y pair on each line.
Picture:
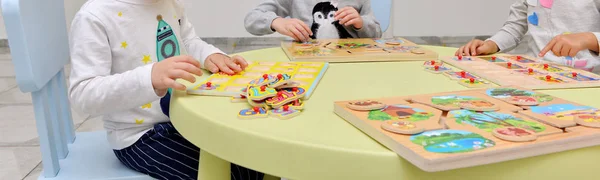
x,y
285,112
255,112
260,92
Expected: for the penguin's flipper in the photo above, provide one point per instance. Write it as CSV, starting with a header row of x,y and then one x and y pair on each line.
x,y
314,28
342,30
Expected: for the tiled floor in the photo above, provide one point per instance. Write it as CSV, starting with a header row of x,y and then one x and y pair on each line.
x,y
19,148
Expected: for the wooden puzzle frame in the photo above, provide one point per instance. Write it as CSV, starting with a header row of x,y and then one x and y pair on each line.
x,y
497,72
550,140
356,50
307,74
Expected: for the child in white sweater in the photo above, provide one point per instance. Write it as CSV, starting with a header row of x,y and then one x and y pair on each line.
x,y
570,29
126,56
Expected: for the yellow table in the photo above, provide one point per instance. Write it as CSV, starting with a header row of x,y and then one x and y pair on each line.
x,y
320,145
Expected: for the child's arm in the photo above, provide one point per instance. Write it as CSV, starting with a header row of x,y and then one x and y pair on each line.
x,y
93,88
363,22
507,38
258,21
571,44
514,28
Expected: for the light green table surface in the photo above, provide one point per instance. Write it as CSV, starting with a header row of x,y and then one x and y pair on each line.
x,y
320,145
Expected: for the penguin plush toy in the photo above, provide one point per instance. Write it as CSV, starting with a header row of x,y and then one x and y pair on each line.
x,y
324,24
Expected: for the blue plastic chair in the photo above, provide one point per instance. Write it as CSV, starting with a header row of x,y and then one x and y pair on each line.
x,y
39,45
382,9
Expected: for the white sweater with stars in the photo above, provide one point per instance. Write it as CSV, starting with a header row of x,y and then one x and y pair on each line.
x,y
113,49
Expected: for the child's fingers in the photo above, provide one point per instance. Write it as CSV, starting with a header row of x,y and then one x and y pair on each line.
x,y
573,52
557,48
460,51
467,50
189,68
174,84
301,29
188,59
305,27
346,19
181,74
565,51
240,61
341,14
223,67
351,22
297,33
211,66
548,47
233,66
474,49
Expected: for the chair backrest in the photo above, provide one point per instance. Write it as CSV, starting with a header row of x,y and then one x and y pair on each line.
x,y
37,35
382,9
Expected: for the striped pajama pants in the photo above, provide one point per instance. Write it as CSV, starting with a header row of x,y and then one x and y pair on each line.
x,y
163,153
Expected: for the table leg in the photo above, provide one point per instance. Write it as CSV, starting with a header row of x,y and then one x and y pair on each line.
x,y
213,168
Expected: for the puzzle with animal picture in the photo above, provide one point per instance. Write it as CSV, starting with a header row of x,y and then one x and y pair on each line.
x,y
300,74
452,130
356,50
523,71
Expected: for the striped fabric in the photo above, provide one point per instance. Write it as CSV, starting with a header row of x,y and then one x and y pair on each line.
x,y
163,153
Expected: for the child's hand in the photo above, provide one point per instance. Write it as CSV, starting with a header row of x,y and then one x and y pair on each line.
x,y
219,62
349,16
165,73
477,47
570,44
294,28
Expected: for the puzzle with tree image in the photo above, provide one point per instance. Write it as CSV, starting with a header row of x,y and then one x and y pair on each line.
x,y
452,130
356,50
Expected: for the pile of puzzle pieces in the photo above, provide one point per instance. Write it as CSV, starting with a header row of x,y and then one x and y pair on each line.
x,y
464,78
277,96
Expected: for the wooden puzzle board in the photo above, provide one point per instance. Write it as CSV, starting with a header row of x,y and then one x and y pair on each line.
x,y
357,50
498,72
466,139
306,74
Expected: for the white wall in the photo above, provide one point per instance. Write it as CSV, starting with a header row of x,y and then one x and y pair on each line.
x,y
225,18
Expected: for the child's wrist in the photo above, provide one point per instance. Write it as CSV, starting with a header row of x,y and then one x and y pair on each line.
x,y
493,46
592,41
274,23
160,92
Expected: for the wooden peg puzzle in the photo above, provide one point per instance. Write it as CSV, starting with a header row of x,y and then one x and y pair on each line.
x,y
436,133
525,72
270,74
356,50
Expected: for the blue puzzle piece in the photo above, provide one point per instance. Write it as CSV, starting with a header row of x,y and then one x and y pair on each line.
x,y
533,19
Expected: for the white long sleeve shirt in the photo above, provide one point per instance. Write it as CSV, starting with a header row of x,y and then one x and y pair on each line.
x,y
544,21
114,45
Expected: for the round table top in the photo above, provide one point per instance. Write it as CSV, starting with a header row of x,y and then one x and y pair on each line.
x,y
320,145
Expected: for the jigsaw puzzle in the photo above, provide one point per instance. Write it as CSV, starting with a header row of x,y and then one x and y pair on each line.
x,y
356,50
452,130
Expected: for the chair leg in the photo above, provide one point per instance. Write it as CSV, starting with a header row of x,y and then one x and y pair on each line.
x,y
66,119
59,130
213,168
45,133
